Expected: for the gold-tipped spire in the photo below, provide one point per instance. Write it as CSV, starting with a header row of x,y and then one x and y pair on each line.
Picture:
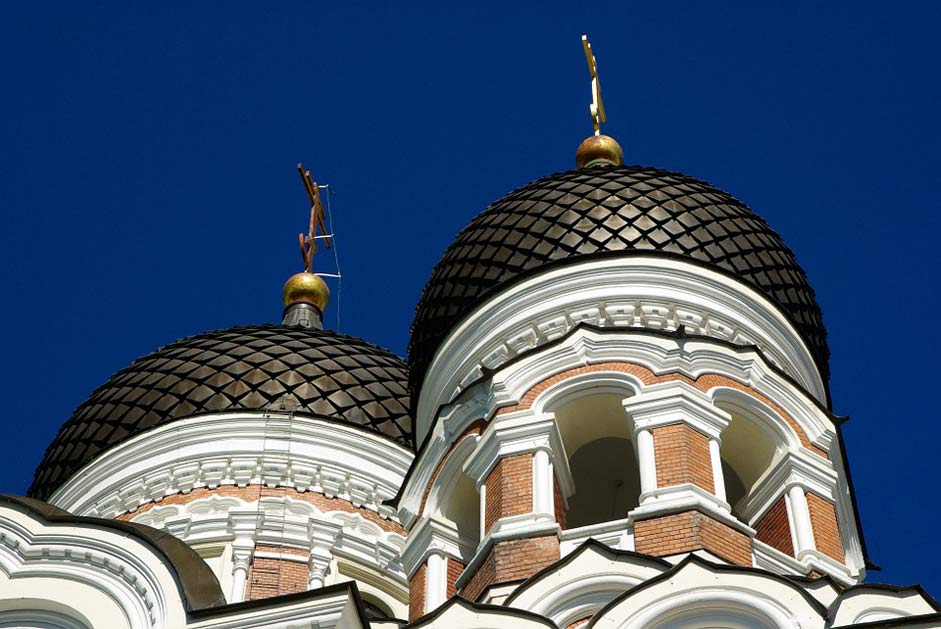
x,y
597,149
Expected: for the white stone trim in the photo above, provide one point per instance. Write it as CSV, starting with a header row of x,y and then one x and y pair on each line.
x,y
103,575
813,473
638,291
617,534
686,497
241,449
520,432
864,603
583,585
283,522
727,598
661,355
427,537
676,403
773,560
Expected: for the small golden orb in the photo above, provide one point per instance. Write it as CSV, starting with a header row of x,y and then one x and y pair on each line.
x,y
599,150
306,288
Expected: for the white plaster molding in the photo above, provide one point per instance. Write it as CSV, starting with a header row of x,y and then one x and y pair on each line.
x,y
430,536
520,432
328,610
686,497
864,603
458,612
583,585
690,357
797,467
635,292
700,591
773,560
449,475
240,449
617,534
106,576
283,522
676,403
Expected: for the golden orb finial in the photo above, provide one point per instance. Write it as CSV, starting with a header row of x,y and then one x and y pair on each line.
x,y
306,288
598,150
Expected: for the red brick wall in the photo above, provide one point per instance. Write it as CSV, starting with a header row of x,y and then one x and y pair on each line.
x,y
455,568
826,530
682,456
559,504
273,577
688,531
509,489
416,594
774,529
254,492
704,382
512,560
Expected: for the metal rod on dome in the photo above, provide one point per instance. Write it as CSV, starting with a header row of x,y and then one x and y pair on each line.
x,y
317,215
597,105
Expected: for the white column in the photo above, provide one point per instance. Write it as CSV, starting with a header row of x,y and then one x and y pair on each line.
x,y
646,461
436,581
800,517
718,477
318,567
483,509
543,501
242,550
323,536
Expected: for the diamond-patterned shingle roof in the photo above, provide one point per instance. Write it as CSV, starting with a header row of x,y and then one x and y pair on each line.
x,y
329,375
611,210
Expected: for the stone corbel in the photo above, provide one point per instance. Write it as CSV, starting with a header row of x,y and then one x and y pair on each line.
x,y
323,538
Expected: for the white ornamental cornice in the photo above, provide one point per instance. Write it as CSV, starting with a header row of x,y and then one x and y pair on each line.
x,y
676,402
239,449
622,293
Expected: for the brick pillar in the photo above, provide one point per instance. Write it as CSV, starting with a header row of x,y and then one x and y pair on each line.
x,y
682,508
520,467
431,558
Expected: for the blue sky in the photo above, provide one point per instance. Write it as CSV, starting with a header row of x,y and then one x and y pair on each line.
x,y
149,192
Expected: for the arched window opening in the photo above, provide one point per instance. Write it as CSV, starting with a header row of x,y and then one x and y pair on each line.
x,y
599,441
748,453
458,504
375,609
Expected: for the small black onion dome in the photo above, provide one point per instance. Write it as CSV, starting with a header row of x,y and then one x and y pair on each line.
x,y
609,210
330,376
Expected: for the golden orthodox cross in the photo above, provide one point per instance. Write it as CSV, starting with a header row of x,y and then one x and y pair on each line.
x,y
317,221
597,106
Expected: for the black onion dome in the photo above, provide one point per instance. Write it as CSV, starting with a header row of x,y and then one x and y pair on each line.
x,y
616,210
329,375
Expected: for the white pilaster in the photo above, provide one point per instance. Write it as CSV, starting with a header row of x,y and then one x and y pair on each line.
x,y
242,551
718,476
799,513
436,581
543,485
646,461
